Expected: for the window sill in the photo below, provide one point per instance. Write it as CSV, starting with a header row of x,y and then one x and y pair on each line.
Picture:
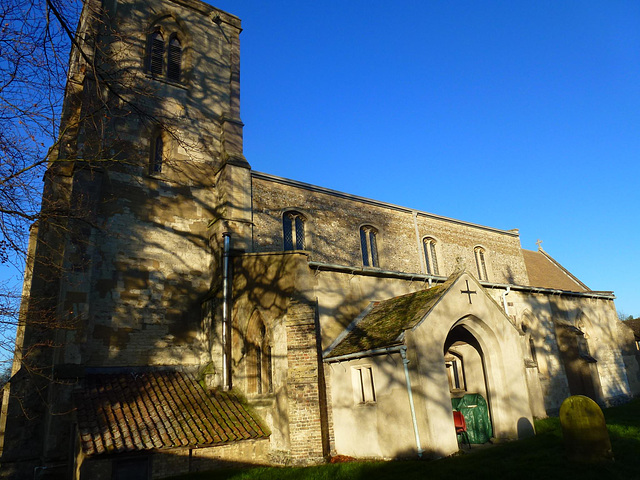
x,y
160,176
261,399
166,81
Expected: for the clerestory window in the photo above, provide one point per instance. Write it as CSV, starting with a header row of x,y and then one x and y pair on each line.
x,y
430,256
481,263
293,231
369,246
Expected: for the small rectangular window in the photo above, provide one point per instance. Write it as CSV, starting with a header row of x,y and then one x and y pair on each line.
x,y
363,387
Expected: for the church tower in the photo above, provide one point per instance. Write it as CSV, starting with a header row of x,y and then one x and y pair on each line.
x,y
148,175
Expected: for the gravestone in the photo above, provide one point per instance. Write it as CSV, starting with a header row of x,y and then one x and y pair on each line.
x,y
586,438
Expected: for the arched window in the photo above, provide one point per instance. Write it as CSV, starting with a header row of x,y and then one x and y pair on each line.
x,y
156,53
259,371
293,231
481,263
174,63
157,154
430,257
369,246
528,337
165,60
582,340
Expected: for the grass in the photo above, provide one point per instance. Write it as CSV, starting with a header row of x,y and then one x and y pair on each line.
x,y
539,457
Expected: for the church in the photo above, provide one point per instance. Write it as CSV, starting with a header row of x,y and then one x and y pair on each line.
x,y
184,312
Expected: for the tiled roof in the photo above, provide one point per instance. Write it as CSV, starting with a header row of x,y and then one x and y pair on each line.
x,y
125,412
634,324
384,324
545,272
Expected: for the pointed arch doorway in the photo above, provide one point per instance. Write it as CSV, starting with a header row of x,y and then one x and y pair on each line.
x,y
464,361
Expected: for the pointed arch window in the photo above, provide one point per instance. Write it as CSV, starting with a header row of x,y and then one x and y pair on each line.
x,y
165,58
369,246
156,53
293,231
481,263
157,154
530,344
259,370
582,340
174,62
430,256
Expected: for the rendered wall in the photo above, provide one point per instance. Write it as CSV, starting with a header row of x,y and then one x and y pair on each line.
x,y
381,429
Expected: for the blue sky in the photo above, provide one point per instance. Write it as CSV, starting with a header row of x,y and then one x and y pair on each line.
x,y
508,114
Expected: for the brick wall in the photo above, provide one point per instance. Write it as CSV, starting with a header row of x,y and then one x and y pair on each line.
x,y
305,416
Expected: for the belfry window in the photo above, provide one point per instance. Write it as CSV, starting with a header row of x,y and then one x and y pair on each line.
x,y
174,62
157,154
481,263
156,53
293,231
369,246
430,256
165,60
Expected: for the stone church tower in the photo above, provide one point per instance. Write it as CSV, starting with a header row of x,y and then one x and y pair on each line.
x,y
181,310
148,175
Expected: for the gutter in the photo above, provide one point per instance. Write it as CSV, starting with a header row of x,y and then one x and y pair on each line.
x,y
376,272
367,353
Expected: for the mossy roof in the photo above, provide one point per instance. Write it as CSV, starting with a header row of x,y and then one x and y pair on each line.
x,y
385,324
128,412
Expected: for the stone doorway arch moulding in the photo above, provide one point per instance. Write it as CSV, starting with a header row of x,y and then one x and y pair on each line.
x,y
503,363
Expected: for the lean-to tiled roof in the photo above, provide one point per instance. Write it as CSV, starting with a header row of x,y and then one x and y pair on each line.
x,y
126,412
385,323
545,272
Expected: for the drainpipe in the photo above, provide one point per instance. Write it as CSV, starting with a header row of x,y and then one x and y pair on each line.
x,y
405,362
504,300
226,378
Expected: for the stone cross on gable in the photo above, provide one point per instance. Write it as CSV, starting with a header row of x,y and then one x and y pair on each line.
x,y
539,243
468,291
